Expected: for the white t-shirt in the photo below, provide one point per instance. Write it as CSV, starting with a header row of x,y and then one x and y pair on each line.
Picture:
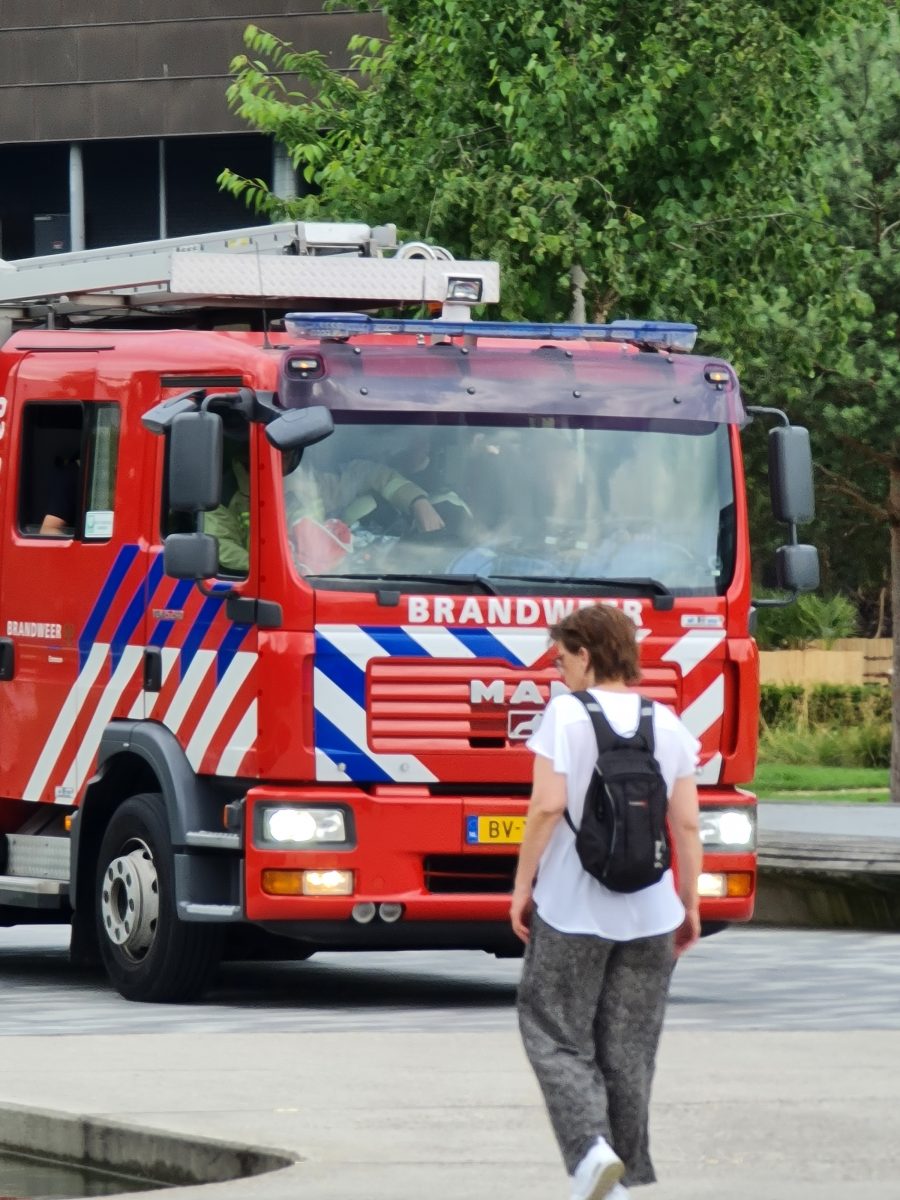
x,y
567,897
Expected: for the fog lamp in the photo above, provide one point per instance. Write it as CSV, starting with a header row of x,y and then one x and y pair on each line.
x,y
712,885
725,883
327,883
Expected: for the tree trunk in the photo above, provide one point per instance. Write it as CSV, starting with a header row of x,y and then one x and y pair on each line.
x,y
579,279
894,509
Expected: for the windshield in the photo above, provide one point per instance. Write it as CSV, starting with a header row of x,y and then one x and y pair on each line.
x,y
559,500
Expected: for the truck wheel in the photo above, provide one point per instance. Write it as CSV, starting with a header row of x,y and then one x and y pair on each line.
x,y
148,953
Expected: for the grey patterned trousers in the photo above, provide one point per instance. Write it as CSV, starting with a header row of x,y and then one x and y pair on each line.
x,y
590,1014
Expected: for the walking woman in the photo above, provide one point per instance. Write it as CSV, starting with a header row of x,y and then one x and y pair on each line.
x,y
598,963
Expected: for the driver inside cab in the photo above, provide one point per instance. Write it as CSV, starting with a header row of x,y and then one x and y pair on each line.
x,y
319,508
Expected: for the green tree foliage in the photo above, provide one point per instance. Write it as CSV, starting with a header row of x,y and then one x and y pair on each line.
x,y
662,148
730,162
656,146
857,404
812,618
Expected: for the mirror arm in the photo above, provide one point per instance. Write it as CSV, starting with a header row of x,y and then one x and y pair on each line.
x,y
760,410
775,601
222,593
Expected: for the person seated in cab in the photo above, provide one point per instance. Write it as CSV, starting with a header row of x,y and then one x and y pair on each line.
x,y
418,453
313,500
62,498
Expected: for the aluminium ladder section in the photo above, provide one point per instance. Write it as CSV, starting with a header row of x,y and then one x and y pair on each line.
x,y
282,264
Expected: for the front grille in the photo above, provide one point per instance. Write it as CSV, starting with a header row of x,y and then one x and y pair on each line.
x,y
455,873
418,706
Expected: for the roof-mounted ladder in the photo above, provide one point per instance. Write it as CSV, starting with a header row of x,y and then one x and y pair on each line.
x,y
286,265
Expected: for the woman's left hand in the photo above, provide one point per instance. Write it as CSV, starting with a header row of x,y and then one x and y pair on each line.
x,y
520,913
688,933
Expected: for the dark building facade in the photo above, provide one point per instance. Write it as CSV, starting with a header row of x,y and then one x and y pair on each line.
x,y
114,122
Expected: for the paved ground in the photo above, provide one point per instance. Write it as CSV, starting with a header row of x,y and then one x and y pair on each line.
x,y
777,1077
852,820
457,1117
743,979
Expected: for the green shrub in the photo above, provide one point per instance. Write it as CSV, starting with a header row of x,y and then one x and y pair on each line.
x,y
811,618
793,705
781,704
831,704
866,745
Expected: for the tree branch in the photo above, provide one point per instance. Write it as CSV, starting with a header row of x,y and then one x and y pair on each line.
x,y
888,461
837,483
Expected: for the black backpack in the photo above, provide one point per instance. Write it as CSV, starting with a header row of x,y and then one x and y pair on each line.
x,y
622,840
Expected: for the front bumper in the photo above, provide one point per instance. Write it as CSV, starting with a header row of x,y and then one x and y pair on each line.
x,y
409,847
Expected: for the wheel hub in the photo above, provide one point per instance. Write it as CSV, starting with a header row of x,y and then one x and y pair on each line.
x,y
129,901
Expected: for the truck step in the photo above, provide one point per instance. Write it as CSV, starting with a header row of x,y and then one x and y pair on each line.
x,y
189,911
213,840
23,891
38,857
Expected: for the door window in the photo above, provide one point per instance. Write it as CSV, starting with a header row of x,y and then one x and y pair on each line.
x,y
68,476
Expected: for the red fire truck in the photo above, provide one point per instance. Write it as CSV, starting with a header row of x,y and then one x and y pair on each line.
x,y
275,583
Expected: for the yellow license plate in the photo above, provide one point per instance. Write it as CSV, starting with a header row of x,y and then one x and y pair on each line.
x,y
494,831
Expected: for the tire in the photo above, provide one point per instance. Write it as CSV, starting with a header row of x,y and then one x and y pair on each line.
x,y
147,952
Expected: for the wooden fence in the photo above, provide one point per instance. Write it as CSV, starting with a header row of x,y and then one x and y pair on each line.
x,y
849,661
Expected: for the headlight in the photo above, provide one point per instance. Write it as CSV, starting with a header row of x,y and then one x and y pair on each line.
x,y
303,826
728,829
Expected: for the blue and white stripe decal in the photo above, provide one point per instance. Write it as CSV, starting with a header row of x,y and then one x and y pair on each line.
x,y
108,669
343,653
117,573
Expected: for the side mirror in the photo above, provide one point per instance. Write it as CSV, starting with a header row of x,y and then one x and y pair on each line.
x,y
791,475
797,568
300,427
192,556
195,463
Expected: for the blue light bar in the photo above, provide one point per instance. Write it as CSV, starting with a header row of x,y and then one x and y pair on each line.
x,y
661,335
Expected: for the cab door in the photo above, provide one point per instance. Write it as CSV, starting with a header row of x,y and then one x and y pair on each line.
x,y
68,566
204,654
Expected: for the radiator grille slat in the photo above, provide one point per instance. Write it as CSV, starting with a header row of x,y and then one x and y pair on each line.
x,y
415,706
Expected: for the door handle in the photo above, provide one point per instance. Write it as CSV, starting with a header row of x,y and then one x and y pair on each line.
x,y
7,658
152,669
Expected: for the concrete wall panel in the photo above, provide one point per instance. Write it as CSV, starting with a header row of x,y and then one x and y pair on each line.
x,y
108,52
37,56
78,70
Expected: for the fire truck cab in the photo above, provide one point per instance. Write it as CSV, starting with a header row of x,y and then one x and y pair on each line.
x,y
274,591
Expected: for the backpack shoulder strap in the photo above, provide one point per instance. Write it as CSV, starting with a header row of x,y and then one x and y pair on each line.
x,y
645,724
604,733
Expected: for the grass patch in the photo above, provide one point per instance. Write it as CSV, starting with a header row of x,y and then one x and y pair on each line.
x,y
862,798
775,778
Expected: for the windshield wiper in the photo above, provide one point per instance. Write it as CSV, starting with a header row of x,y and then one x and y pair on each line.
x,y
403,577
652,587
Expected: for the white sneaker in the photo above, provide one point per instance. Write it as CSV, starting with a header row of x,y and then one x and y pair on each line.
x,y
619,1192
598,1173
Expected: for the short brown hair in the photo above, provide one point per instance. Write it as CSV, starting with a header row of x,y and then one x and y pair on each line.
x,y
607,635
